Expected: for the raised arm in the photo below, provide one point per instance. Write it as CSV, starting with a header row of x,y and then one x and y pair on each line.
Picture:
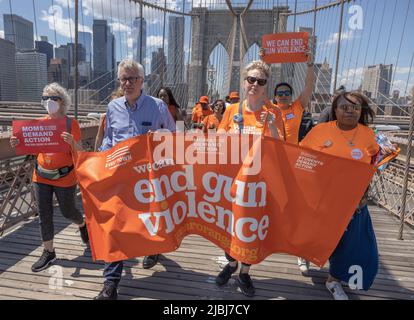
x,y
306,94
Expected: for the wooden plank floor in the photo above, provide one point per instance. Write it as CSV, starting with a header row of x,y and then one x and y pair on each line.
x,y
189,272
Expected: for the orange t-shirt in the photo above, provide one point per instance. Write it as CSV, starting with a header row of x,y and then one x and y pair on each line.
x,y
199,113
53,161
210,122
292,118
251,121
173,110
328,138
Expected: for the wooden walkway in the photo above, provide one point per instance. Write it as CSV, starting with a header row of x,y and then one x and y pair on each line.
x,y
189,272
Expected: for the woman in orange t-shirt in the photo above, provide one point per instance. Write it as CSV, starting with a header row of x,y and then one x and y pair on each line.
x,y
348,136
248,117
212,121
54,174
166,95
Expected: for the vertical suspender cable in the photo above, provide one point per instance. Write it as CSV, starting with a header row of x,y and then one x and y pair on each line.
x,y
338,45
76,57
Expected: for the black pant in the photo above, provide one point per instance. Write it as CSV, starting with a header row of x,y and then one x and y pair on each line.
x,y
67,205
231,259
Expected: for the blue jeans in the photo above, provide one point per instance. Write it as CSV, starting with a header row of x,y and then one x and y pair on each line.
x,y
113,271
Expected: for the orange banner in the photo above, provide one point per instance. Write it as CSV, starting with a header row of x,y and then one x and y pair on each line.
x,y
144,196
285,47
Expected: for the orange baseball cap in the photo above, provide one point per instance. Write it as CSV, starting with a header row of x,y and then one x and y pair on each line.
x,y
204,99
234,95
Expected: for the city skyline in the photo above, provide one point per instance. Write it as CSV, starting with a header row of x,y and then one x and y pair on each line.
x,y
350,72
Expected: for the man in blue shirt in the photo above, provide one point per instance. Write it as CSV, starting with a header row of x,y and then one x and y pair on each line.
x,y
132,115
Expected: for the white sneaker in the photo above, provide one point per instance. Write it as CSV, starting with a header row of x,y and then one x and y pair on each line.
x,y
337,291
303,265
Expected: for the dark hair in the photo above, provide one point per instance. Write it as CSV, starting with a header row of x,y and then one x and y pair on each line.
x,y
366,111
170,96
283,84
224,105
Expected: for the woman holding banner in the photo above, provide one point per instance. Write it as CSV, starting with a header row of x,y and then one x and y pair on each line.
x,y
54,174
349,136
250,116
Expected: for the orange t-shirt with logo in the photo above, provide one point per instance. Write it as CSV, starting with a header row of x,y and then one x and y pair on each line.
x,y
328,138
210,122
173,111
251,121
199,113
51,161
292,117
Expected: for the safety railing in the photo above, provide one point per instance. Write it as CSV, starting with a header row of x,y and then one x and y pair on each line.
x,y
387,187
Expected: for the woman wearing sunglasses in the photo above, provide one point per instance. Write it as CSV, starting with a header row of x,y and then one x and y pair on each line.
x,y
54,174
348,136
248,116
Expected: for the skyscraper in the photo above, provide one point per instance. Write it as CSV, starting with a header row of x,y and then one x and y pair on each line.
x,y
139,40
376,82
31,69
19,31
323,76
103,58
45,47
175,68
7,71
85,39
158,65
63,54
58,72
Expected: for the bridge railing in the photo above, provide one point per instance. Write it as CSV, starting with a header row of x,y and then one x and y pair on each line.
x,y
387,187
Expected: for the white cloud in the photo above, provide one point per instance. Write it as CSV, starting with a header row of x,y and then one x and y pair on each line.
x,y
117,26
130,42
401,85
333,39
347,35
63,26
64,3
402,70
154,41
350,78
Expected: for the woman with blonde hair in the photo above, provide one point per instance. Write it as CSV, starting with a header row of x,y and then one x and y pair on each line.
x,y
248,117
54,174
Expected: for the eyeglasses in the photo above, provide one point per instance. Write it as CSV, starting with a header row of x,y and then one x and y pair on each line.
x,y
286,93
132,80
260,82
54,98
350,107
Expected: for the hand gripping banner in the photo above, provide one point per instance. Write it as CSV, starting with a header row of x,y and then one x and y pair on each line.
x,y
145,195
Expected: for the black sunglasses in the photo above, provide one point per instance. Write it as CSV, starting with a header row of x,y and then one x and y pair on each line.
x,y
282,93
260,82
54,98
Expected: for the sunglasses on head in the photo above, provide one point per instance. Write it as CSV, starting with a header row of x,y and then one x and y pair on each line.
x,y
286,93
54,98
260,82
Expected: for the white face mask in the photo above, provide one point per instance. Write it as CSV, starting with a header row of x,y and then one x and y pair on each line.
x,y
51,106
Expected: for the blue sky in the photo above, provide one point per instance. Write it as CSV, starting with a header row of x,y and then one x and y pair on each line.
x,y
368,45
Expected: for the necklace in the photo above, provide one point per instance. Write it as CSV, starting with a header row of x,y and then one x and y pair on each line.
x,y
351,141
